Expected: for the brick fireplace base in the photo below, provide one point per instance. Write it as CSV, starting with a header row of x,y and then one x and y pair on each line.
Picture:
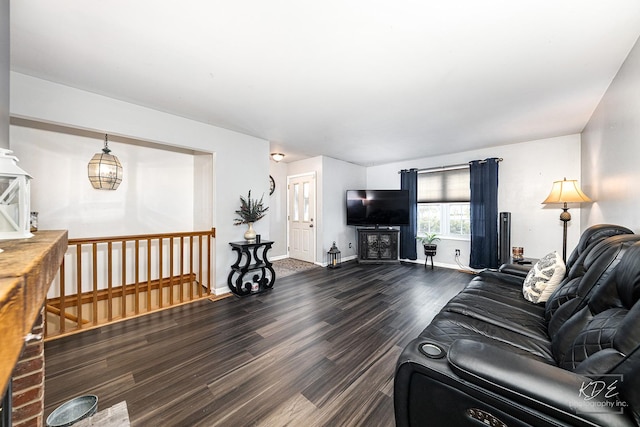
x,y
28,382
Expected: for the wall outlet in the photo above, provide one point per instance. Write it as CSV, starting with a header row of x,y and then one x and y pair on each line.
x,y
457,252
349,245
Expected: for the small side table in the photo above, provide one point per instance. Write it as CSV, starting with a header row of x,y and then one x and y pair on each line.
x,y
252,260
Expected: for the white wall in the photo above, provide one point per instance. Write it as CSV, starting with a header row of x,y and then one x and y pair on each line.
x,y
611,151
300,167
526,175
525,178
65,199
4,73
277,214
241,162
203,191
339,177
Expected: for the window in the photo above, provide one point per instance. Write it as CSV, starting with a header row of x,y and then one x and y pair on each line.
x,y
443,203
296,213
459,215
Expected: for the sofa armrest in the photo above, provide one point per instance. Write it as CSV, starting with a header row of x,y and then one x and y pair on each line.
x,y
557,392
519,270
503,277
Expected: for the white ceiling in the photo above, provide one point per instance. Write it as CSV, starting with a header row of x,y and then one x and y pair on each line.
x,y
365,81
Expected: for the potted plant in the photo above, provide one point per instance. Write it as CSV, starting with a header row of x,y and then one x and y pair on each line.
x,y
251,210
428,242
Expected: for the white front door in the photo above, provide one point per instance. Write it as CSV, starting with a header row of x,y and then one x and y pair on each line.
x,y
301,216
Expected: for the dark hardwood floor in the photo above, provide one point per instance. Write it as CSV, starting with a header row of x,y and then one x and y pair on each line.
x,y
319,349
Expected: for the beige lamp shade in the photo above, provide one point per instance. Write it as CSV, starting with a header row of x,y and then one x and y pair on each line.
x,y
566,191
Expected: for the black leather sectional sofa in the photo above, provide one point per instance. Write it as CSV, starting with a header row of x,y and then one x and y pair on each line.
x,y
492,358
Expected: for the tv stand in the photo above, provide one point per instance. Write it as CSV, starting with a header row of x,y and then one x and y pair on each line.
x,y
378,245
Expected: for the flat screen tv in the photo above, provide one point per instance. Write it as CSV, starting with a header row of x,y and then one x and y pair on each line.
x,y
377,207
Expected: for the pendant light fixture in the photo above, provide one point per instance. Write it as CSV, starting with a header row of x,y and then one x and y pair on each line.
x,y
105,170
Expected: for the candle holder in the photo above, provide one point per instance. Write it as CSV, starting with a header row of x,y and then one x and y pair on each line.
x,y
517,253
333,257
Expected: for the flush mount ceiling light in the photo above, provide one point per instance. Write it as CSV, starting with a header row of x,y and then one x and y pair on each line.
x,y
104,169
277,156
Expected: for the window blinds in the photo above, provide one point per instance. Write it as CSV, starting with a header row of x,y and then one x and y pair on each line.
x,y
447,186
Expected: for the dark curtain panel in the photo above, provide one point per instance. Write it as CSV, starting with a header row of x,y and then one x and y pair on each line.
x,y
484,213
409,181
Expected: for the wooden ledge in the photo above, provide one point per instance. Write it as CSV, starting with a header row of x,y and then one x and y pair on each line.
x,y
27,268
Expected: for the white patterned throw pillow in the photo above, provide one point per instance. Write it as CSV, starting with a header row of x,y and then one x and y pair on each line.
x,y
544,278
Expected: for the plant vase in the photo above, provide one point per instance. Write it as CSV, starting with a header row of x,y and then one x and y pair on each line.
x,y
430,249
250,234
250,211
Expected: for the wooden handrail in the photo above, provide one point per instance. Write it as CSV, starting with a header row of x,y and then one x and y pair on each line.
x,y
145,277
85,240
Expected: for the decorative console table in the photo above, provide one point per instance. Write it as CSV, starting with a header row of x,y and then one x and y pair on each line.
x,y
256,264
378,245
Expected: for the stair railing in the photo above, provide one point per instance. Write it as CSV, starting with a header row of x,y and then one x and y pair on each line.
x,y
106,279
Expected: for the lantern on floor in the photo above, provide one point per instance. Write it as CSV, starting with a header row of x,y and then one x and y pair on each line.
x,y
105,170
333,257
15,198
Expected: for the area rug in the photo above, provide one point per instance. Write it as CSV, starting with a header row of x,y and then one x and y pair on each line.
x,y
288,266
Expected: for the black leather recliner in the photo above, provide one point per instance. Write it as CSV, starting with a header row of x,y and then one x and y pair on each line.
x,y
492,357
590,236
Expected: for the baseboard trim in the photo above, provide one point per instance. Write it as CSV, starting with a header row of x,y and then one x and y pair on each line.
x,y
345,259
435,264
223,289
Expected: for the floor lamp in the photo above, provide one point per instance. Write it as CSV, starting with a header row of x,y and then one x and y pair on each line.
x,y
566,191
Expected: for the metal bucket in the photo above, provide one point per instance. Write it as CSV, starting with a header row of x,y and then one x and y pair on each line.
x,y
73,411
